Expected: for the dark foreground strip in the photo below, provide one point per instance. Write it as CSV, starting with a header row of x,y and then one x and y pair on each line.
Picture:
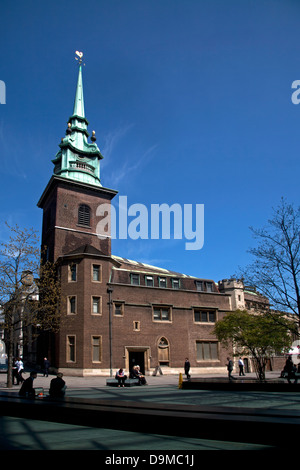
x,y
269,427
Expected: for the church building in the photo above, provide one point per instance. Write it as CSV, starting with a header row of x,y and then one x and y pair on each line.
x,y
117,312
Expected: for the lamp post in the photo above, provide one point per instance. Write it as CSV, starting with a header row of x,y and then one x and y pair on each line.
x,y
110,290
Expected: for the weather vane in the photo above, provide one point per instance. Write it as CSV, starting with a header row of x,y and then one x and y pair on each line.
x,y
79,58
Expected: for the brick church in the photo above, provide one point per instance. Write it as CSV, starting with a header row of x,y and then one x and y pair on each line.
x,y
118,312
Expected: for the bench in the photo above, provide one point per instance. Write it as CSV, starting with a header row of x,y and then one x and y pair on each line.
x,y
128,382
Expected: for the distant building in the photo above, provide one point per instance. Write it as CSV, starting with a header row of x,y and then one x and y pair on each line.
x,y
243,297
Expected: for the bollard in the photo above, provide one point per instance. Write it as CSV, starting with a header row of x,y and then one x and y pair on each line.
x,y
180,380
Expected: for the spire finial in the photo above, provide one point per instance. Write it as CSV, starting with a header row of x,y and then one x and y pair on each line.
x,y
79,102
80,55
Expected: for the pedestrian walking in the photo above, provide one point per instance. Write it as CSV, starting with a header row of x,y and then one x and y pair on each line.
x,y
46,367
20,370
187,366
230,368
290,369
241,366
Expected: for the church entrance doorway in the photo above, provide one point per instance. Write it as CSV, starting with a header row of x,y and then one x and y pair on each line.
x,y
137,356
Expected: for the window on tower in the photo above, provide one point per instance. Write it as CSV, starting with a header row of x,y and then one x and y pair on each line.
x,y
96,305
72,272
96,273
71,345
72,307
84,215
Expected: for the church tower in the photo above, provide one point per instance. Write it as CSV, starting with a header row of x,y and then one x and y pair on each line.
x,y
74,192
69,237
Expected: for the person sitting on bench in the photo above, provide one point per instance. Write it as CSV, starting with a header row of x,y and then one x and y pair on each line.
x,y
57,387
121,377
136,374
27,389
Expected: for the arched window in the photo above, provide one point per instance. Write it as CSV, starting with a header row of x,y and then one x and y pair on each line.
x,y
163,352
84,215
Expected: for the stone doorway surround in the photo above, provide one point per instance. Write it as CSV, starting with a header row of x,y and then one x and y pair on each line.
x,y
138,349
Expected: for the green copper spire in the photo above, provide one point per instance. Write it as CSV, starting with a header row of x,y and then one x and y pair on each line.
x,y
78,159
79,101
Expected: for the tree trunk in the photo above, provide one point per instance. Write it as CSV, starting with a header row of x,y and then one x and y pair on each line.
x,y
260,367
10,359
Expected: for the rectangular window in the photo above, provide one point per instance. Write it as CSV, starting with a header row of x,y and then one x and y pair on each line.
x,y
212,317
197,316
175,283
209,286
119,309
72,304
207,350
96,348
70,348
149,282
199,286
96,273
72,272
204,316
96,305
135,279
162,282
161,313
84,214
136,326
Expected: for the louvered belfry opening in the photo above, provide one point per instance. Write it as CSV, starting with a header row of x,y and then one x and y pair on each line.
x,y
84,215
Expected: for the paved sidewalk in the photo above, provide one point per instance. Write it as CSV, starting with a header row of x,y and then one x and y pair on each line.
x,y
164,389
87,382
100,381
18,433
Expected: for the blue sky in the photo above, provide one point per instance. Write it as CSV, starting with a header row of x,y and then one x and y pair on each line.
x,y
190,101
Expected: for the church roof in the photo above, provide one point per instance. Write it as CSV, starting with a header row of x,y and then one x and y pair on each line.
x,y
132,265
86,250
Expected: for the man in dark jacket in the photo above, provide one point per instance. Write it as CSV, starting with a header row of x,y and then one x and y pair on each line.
x,y
46,367
290,369
187,366
57,387
230,368
27,389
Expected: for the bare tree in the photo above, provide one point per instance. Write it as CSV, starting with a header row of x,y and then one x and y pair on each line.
x,y
275,271
29,291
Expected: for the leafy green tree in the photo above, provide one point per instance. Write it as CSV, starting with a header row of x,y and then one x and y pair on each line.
x,y
255,335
